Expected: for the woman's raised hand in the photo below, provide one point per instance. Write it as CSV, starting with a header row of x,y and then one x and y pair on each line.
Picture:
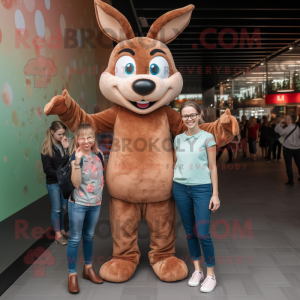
x,y
65,142
78,156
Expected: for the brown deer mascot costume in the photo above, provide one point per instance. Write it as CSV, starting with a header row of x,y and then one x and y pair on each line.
x,y
141,78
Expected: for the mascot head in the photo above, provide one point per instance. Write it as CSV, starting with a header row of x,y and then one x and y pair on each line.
x,y
141,73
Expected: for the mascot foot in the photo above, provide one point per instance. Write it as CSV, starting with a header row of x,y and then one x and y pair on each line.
x,y
117,270
171,269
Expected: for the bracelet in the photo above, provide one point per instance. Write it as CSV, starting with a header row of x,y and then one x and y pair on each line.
x,y
77,166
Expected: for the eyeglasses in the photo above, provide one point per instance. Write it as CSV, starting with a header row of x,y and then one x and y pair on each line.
x,y
89,139
186,117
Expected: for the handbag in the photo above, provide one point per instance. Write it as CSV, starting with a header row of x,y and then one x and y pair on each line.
x,y
64,172
283,138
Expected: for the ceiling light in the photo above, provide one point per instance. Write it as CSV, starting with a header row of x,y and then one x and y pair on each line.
x,y
296,74
227,79
284,90
249,81
291,46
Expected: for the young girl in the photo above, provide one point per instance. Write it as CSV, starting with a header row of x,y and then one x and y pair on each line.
x,y
84,203
54,147
195,190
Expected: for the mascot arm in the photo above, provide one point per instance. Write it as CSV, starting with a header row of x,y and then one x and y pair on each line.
x,y
70,113
175,122
224,129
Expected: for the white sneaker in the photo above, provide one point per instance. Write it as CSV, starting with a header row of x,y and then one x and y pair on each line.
x,y
196,278
209,284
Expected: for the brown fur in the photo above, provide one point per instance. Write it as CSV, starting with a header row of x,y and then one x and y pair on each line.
x,y
139,175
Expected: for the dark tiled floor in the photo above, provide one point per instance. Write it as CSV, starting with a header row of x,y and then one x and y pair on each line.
x,y
257,266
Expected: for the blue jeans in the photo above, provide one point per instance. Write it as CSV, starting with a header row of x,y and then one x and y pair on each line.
x,y
82,223
57,202
252,146
192,202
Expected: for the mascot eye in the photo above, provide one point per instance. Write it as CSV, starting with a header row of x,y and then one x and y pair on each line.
x,y
129,68
159,67
125,67
154,69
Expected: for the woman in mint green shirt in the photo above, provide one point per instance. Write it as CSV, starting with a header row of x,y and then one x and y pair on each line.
x,y
195,190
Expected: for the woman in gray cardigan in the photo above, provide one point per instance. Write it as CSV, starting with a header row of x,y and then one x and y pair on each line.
x,y
291,145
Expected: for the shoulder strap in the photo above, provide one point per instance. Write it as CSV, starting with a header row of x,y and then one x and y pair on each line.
x,y
290,133
100,155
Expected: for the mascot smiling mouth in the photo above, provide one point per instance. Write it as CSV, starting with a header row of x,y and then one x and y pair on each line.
x,y
142,104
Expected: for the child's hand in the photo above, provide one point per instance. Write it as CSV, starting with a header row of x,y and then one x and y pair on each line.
x,y
78,156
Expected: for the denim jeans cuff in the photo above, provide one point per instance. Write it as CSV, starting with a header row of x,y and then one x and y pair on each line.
x,y
88,262
210,265
196,258
72,271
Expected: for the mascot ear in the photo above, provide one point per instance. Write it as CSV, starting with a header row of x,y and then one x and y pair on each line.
x,y
112,22
168,26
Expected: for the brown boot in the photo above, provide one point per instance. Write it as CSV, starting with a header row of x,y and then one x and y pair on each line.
x,y
89,273
73,284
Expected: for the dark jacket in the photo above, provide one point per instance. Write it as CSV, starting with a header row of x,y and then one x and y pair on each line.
x,y
243,129
50,165
264,132
272,134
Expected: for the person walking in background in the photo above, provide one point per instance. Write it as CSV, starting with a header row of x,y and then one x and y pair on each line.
x,y
243,127
234,146
273,140
264,137
291,145
54,147
221,150
252,136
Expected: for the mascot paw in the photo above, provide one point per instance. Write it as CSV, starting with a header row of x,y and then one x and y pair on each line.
x,y
171,269
117,270
58,104
230,123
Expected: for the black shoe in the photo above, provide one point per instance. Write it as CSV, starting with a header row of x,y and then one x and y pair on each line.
x,y
244,156
289,183
229,161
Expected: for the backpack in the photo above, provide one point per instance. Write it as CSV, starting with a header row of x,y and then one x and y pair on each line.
x,y
64,172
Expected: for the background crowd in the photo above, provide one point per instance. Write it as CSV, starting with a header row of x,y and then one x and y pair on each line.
x,y
272,136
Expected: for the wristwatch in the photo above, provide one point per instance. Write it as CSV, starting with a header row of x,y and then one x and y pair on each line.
x,y
77,166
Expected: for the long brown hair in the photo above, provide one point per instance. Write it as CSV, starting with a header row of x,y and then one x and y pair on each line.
x,y
78,132
48,143
251,122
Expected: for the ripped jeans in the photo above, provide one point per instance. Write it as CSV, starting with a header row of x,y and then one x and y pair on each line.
x,y
58,203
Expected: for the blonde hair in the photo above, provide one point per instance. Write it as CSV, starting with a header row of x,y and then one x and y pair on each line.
x,y
48,143
251,122
78,132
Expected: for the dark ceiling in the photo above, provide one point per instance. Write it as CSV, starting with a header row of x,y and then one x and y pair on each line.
x,y
263,30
